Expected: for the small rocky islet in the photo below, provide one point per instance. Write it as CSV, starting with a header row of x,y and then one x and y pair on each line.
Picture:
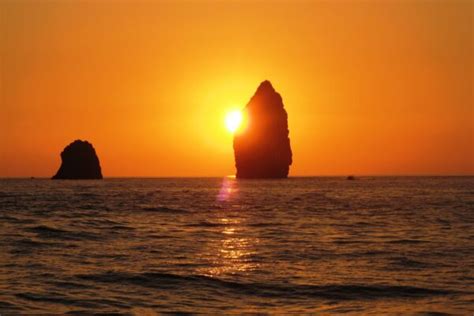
x,y
79,161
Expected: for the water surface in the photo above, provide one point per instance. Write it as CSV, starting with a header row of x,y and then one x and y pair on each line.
x,y
220,245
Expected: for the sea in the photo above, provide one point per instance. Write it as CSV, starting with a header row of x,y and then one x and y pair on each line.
x,y
316,245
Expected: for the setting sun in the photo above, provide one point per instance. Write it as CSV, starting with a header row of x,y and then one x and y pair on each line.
x,y
233,120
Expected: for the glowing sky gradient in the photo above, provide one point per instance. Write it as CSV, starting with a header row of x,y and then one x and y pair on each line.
x,y
382,87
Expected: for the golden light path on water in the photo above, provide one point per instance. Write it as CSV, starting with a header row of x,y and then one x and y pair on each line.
x,y
232,252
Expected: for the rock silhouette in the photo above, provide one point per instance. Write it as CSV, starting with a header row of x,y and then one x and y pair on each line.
x,y
79,161
262,149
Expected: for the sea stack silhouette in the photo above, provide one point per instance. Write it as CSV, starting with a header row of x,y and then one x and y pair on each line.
x,y
262,149
79,161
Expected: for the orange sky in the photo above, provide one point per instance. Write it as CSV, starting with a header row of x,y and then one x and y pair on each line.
x,y
372,87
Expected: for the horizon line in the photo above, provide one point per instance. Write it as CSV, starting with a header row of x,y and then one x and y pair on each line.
x,y
233,176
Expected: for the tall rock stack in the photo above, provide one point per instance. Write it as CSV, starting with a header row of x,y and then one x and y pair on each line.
x,y
262,149
79,161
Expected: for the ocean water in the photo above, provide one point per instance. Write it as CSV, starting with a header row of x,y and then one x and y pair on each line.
x,y
219,245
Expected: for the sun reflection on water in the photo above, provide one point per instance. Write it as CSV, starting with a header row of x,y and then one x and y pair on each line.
x,y
228,189
232,251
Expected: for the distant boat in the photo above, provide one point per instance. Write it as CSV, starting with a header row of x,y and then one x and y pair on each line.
x,y
351,178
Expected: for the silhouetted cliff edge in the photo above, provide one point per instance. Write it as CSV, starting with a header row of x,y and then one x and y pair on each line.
x,y
262,149
79,161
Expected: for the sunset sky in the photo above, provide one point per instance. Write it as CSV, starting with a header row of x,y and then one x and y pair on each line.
x,y
370,87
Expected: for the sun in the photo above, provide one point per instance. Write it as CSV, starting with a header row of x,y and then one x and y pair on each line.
x,y
233,120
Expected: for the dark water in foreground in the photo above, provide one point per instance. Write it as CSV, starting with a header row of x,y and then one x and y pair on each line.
x,y
302,245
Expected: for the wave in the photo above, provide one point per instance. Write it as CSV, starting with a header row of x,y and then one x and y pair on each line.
x,y
406,263
407,241
58,298
340,292
26,244
163,209
7,305
266,224
16,220
46,232
206,223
